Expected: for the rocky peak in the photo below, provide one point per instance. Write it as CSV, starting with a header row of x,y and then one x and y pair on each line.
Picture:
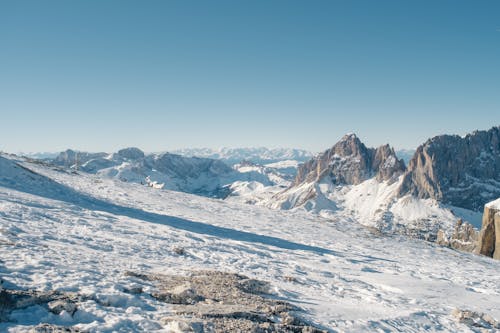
x,y
461,171
349,161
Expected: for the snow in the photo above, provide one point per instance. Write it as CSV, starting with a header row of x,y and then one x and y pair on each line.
x,y
260,155
284,164
494,204
374,204
76,232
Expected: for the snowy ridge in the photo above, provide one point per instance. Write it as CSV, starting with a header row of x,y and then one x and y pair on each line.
x,y
202,176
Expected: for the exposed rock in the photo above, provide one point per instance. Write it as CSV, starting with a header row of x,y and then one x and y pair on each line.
x,y
349,161
48,328
224,302
460,171
463,238
489,238
54,301
478,322
60,305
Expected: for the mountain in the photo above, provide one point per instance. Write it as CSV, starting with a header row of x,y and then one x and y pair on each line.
x,y
255,155
350,179
458,171
202,176
350,162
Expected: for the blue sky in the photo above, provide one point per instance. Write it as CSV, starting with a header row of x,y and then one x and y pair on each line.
x,y
100,75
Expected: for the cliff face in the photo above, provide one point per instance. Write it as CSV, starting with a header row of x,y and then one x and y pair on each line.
x,y
350,162
489,238
460,171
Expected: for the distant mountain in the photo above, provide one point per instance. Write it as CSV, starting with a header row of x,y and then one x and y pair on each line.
x,y
202,176
459,171
38,155
255,155
405,154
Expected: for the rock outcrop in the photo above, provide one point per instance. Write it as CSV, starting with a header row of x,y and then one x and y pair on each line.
x,y
350,162
463,238
489,238
460,171
213,301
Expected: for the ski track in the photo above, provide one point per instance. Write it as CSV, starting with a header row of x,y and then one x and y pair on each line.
x,y
344,277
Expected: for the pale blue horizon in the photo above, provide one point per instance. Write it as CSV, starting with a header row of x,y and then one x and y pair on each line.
x,y
163,75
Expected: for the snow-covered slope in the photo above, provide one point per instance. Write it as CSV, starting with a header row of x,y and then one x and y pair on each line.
x,y
78,233
374,204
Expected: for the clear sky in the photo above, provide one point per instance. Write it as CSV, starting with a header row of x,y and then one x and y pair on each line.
x,y
100,75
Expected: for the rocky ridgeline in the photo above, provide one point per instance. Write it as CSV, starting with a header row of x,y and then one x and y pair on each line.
x,y
460,171
350,162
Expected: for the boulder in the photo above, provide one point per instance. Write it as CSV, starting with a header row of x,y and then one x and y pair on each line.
x,y
489,237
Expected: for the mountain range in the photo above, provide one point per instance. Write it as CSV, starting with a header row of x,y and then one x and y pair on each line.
x,y
449,177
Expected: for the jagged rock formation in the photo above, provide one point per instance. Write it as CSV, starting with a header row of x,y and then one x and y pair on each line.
x,y
460,171
350,162
489,238
463,238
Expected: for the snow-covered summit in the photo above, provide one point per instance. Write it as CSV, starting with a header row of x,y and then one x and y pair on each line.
x,y
494,204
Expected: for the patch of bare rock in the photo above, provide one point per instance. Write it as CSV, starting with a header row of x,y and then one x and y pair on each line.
x,y
213,301
55,302
476,321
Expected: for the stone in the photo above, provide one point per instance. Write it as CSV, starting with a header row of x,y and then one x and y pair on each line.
x,y
489,237
59,306
455,170
463,238
350,162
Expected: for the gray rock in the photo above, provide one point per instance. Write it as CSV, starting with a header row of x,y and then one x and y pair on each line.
x,y
349,161
59,306
463,238
489,238
225,302
460,171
